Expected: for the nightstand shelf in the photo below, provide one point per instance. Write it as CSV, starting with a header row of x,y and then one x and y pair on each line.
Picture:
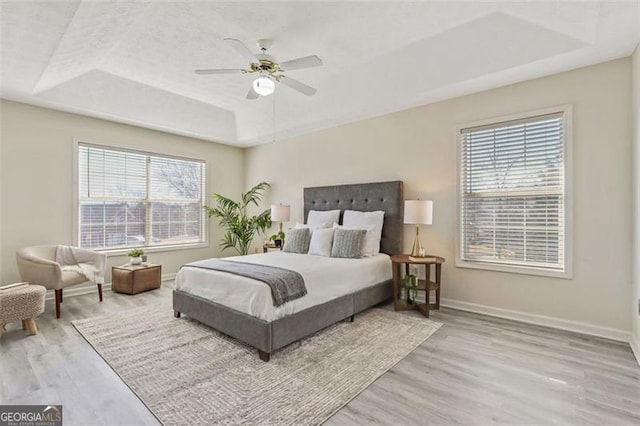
x,y
422,285
426,285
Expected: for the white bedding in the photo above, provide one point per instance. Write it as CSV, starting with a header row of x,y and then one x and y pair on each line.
x,y
326,278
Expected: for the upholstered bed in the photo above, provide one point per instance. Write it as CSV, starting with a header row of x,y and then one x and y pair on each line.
x,y
273,332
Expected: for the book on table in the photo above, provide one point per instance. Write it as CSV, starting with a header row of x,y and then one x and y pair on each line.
x,y
427,259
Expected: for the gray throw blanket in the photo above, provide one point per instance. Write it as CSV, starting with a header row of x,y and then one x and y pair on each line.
x,y
286,285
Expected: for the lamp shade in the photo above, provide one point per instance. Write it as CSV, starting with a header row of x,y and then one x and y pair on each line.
x,y
280,212
418,212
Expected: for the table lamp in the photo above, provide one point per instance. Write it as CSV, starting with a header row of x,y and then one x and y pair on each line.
x,y
418,212
280,213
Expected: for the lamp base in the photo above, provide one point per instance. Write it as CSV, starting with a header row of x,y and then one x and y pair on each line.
x,y
281,238
417,250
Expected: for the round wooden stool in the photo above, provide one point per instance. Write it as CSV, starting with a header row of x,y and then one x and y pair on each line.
x,y
22,304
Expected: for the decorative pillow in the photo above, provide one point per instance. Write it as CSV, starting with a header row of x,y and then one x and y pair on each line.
x,y
366,220
312,228
303,226
321,241
297,241
348,242
369,238
323,219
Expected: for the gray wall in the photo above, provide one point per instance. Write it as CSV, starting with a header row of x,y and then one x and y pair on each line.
x,y
418,146
37,177
635,298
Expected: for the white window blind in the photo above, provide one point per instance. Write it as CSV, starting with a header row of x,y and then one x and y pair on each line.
x,y
132,199
512,193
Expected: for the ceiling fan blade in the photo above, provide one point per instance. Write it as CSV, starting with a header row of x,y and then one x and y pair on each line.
x,y
219,71
242,49
252,94
296,85
300,63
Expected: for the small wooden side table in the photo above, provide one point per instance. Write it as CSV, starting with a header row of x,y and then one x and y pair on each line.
x,y
134,279
426,285
270,246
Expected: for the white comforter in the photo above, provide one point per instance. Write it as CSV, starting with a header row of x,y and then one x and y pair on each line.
x,y
326,278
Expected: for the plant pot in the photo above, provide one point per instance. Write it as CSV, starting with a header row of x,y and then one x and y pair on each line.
x,y
135,260
278,243
411,289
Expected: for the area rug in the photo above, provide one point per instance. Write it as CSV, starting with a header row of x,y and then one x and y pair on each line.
x,y
187,373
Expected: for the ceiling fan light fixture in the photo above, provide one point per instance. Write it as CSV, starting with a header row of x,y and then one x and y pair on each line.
x,y
263,85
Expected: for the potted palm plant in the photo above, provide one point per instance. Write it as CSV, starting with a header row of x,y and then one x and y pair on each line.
x,y
239,226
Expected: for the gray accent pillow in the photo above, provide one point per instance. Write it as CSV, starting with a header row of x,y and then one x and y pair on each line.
x,y
348,242
297,241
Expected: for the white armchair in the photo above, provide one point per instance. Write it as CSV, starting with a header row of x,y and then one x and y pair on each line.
x,y
38,265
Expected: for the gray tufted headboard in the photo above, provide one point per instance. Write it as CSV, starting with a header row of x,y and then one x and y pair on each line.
x,y
366,197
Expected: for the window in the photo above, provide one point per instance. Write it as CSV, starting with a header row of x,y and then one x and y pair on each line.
x,y
513,195
134,199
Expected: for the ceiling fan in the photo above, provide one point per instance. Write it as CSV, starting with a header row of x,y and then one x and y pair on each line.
x,y
269,70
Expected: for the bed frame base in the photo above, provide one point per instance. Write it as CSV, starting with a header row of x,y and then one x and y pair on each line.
x,y
270,336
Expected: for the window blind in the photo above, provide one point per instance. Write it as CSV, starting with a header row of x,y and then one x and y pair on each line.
x,y
132,199
512,193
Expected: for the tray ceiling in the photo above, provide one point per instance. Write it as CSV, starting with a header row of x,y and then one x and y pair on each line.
x,y
133,61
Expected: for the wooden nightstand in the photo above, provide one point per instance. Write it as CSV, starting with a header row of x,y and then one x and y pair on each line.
x,y
134,279
425,285
270,246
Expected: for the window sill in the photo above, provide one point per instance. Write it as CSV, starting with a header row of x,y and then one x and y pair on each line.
x,y
512,269
154,249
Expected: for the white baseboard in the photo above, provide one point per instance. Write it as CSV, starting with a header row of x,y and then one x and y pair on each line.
x,y
553,322
169,277
92,288
635,347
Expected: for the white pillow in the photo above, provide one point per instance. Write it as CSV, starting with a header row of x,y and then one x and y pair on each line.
x,y
311,228
368,247
364,220
321,242
323,219
303,226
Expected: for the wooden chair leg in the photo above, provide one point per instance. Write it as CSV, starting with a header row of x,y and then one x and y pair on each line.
x,y
58,300
31,325
100,291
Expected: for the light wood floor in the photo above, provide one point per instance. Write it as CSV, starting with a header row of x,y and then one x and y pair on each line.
x,y
474,370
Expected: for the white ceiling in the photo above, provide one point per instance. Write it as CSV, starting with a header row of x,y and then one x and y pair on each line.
x,y
133,61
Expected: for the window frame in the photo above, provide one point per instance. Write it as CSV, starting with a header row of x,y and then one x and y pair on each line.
x,y
567,272
77,142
